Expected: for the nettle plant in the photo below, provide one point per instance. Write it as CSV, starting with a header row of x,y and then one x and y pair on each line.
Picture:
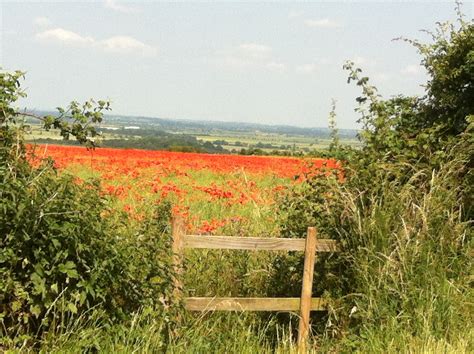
x,y
61,253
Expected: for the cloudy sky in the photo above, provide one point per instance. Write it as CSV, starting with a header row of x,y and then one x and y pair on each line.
x,y
273,62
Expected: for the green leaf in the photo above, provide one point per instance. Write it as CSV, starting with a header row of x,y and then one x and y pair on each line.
x,y
156,280
68,268
16,305
35,310
72,307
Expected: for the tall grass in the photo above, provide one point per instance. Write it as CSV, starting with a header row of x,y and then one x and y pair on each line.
x,y
233,333
409,265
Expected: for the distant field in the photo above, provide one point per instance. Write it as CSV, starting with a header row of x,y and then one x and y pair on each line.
x,y
37,132
297,142
228,139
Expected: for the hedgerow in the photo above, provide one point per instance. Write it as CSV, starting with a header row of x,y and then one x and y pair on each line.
x,y
402,214
64,253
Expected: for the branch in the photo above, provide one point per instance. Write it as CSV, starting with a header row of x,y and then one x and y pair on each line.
x,y
32,115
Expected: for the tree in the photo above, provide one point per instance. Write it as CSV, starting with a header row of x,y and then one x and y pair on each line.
x,y
449,61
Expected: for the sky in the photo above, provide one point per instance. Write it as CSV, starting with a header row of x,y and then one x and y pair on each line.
x,y
271,62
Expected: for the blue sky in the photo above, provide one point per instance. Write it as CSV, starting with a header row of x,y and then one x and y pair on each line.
x,y
273,62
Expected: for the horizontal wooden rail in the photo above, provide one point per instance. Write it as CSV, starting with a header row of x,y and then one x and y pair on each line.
x,y
250,304
256,243
304,304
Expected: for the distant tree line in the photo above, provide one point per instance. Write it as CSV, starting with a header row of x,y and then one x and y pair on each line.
x,y
171,142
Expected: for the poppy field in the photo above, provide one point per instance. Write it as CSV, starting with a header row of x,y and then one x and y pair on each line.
x,y
215,193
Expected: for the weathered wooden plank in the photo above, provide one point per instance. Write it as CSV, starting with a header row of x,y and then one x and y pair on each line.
x,y
307,287
250,304
256,243
178,233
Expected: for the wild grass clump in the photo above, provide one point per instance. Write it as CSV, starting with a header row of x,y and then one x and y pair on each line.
x,y
150,333
408,256
403,276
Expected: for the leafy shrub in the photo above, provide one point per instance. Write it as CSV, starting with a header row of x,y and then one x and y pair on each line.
x,y
64,253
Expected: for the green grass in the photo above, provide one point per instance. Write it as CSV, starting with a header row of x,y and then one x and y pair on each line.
x,y
410,258
224,334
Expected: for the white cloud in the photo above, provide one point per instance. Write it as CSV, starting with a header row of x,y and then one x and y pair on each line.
x,y
42,21
382,77
113,5
64,36
306,68
249,56
116,44
322,23
359,61
125,44
411,70
254,50
295,14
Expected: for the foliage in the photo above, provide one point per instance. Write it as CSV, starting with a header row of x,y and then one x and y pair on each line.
x,y
77,120
449,61
420,129
402,214
399,239
64,252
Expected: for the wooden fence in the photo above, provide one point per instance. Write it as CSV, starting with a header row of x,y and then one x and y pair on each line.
x,y
304,304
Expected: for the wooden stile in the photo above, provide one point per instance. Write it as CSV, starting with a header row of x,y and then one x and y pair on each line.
x,y
307,286
287,304
305,304
256,243
178,233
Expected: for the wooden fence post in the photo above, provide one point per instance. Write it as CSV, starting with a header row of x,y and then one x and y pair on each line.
x,y
307,286
178,233
306,303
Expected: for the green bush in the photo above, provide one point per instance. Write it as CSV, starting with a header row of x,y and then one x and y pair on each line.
x,y
64,253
